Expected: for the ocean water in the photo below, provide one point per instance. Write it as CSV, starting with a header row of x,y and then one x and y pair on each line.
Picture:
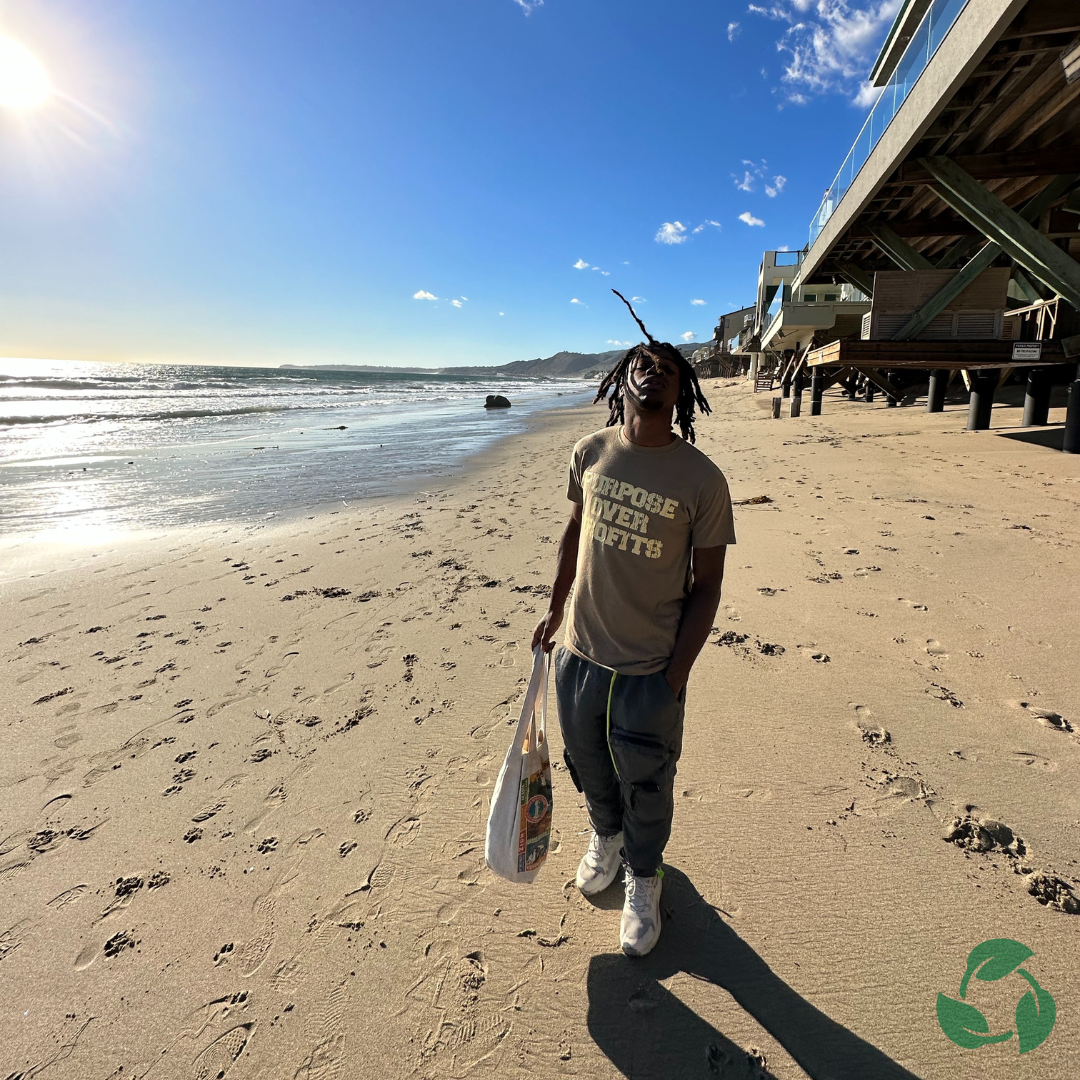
x,y
114,447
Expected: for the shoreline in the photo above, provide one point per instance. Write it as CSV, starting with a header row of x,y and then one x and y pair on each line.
x,y
239,768
34,552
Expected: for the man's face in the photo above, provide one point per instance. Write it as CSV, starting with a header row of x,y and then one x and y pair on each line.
x,y
652,383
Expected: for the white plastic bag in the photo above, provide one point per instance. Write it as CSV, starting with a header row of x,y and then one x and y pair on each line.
x,y
519,822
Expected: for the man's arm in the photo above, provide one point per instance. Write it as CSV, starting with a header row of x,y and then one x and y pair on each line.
x,y
566,569
698,614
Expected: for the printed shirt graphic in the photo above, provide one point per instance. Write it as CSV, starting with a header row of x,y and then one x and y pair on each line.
x,y
643,509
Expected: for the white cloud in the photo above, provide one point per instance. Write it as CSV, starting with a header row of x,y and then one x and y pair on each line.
x,y
423,294
671,232
746,183
502,312
529,6
698,303
750,219
581,264
456,303
867,95
777,185
638,300
619,344
829,44
688,336
576,301
708,221
606,273
733,30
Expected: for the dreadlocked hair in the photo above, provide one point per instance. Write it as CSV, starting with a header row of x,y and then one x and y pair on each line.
x,y
690,395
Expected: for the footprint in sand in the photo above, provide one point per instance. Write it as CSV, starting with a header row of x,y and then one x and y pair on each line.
x,y
67,737
220,1056
253,953
508,654
935,648
871,732
1033,761
1048,717
912,604
324,1062
277,669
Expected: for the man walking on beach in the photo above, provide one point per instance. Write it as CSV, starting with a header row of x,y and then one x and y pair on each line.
x,y
645,543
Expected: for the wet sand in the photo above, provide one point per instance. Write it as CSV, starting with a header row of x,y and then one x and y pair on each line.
x,y
244,779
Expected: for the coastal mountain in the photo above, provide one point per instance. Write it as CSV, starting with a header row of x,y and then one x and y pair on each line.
x,y
561,365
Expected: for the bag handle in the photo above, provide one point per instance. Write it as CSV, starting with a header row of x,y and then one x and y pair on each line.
x,y
537,681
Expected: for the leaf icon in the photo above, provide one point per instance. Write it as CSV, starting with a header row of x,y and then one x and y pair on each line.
x,y
962,1023
993,960
1034,1021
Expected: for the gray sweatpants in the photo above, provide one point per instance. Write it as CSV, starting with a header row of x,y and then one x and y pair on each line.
x,y
623,736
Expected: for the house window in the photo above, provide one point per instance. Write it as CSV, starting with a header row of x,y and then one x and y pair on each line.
x,y
810,297
831,298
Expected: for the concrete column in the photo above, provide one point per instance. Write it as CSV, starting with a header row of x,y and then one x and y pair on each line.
x,y
785,387
1037,398
890,401
935,398
777,404
796,397
755,359
817,390
1072,417
983,385
868,392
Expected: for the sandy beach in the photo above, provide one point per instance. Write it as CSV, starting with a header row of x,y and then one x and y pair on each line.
x,y
245,774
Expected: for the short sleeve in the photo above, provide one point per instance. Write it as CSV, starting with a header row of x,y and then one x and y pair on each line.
x,y
713,524
573,480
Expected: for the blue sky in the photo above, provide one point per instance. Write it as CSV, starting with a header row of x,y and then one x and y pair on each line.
x,y
261,181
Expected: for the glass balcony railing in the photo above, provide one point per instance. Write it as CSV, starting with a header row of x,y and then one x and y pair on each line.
x,y
935,24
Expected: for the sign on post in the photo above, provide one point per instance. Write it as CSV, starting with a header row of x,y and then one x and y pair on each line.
x,y
1027,350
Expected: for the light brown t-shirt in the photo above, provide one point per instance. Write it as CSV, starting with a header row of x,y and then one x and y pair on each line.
x,y
644,508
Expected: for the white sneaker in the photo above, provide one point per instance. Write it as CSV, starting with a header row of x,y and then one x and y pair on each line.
x,y
640,928
599,865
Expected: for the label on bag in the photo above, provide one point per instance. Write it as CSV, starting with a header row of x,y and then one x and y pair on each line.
x,y
534,820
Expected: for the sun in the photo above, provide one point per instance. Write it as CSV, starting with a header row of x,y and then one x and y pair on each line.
x,y
24,83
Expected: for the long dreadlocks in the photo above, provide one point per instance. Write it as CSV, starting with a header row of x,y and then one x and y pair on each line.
x,y
690,394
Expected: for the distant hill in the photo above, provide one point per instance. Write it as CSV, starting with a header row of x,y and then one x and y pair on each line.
x,y
560,366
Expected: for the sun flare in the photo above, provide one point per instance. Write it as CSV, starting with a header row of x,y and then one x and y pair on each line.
x,y
24,83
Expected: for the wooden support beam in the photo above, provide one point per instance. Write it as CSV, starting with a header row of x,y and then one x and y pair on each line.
x,y
901,252
1038,255
1052,76
1048,17
937,303
853,275
998,166
960,250
1031,294
1060,222
874,376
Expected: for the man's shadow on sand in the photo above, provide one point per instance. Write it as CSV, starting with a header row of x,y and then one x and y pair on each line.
x,y
647,1032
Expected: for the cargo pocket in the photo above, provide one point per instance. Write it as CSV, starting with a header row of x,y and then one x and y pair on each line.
x,y
643,763
573,772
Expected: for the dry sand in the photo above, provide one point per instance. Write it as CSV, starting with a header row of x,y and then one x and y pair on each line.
x,y
245,774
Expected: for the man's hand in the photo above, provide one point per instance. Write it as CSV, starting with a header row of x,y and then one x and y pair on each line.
x,y
545,630
676,680
698,614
